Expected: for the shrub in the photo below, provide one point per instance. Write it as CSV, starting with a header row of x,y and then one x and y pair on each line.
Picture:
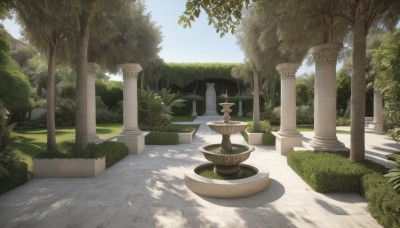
x,y
18,174
268,139
330,171
383,200
112,151
305,114
394,157
342,121
162,138
393,178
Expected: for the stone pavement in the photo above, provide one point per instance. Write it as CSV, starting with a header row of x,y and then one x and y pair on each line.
x,y
148,190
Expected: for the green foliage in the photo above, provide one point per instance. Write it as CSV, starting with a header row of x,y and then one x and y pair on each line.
x,y
268,139
112,151
104,114
225,16
14,86
394,157
383,200
7,137
342,121
161,138
111,92
265,127
155,111
343,83
330,171
304,114
304,94
18,174
182,74
386,63
393,178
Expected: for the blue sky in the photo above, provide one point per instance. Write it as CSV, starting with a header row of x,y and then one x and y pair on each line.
x,y
197,44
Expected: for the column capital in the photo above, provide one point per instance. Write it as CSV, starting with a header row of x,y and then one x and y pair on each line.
x,y
326,53
287,70
92,68
130,69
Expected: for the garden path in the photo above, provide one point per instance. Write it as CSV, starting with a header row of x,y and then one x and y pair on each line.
x,y
148,190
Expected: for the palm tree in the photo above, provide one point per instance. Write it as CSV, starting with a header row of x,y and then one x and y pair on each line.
x,y
44,24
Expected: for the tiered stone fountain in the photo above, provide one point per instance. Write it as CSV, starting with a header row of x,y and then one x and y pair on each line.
x,y
226,177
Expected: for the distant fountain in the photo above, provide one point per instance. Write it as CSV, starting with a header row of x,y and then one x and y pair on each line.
x,y
226,177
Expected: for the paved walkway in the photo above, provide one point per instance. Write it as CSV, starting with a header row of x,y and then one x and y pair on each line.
x,y
148,190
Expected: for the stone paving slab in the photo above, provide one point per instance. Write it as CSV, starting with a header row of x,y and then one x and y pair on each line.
x,y
148,190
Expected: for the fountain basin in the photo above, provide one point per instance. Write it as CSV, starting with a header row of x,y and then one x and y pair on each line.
x,y
227,128
226,162
236,188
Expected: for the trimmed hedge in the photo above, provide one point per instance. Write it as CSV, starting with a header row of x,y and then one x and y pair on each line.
x,y
18,175
383,200
161,138
112,151
331,171
268,139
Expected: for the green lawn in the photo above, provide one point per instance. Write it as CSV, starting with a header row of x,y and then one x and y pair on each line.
x,y
33,141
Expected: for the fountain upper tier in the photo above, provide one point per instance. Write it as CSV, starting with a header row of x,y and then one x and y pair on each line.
x,y
229,128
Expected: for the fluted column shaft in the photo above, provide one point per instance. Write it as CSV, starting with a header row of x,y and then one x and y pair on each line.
x,y
378,114
91,101
325,57
288,99
130,102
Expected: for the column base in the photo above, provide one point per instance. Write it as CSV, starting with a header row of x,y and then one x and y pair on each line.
x,y
94,139
284,144
194,114
377,127
326,144
134,140
211,113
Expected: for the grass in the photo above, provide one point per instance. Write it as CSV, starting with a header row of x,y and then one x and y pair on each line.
x,y
33,141
310,127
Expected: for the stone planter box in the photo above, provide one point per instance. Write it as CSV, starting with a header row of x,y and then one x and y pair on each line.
x,y
68,168
255,138
185,138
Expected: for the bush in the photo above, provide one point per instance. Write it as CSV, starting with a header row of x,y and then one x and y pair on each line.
x,y
162,138
383,200
112,151
394,157
342,121
305,114
268,139
18,174
330,171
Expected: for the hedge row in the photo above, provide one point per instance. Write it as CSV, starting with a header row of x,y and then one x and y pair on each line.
x,y
331,171
18,175
112,151
182,74
383,200
161,138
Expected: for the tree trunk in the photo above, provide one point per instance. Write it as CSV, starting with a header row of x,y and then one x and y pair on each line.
x,y
357,115
256,102
51,123
81,82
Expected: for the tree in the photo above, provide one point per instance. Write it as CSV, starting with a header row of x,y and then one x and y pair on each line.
x,y
363,15
44,25
14,86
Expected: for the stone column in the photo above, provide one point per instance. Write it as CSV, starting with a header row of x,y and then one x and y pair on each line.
x,y
91,102
194,111
211,100
240,112
288,136
377,124
131,135
325,57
